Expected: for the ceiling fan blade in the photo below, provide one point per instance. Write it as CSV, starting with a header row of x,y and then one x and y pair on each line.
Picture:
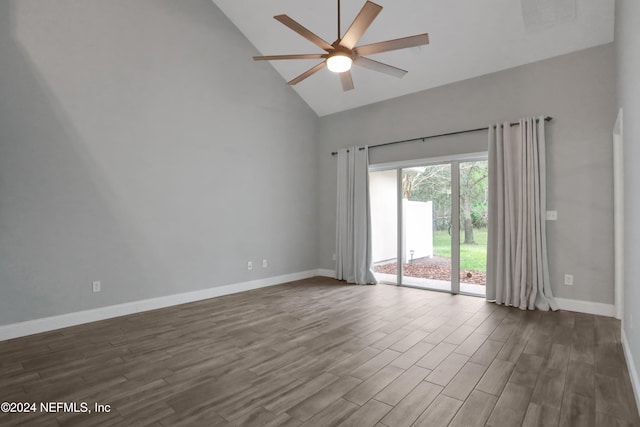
x,y
304,32
365,17
347,81
300,56
380,67
395,44
309,72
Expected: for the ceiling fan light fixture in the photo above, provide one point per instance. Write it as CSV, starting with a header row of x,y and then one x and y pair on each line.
x,y
339,63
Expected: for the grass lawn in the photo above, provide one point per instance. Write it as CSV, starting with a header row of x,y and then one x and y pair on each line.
x,y
472,257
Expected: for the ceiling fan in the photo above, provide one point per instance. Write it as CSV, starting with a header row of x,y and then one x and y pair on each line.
x,y
342,53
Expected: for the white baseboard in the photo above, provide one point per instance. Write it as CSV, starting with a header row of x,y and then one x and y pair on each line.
x,y
325,272
631,366
36,326
587,307
579,306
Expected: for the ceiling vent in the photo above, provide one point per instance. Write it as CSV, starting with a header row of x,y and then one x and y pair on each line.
x,y
541,14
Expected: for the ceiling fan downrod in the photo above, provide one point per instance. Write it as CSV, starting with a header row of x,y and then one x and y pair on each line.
x,y
338,19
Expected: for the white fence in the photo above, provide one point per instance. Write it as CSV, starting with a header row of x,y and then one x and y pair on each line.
x,y
417,227
417,230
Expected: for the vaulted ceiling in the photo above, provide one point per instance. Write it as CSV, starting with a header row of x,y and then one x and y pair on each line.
x,y
469,38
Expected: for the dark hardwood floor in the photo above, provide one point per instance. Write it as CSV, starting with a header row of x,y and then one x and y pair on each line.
x,y
321,353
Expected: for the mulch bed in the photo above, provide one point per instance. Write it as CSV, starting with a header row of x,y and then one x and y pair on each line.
x,y
436,268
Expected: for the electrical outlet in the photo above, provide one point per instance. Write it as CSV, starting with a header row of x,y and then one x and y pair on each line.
x,y
568,279
335,257
264,263
249,265
97,286
552,215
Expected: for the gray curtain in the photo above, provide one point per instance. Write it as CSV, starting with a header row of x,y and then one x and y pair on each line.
x,y
517,268
353,230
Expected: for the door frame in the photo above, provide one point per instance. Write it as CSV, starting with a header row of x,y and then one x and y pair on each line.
x,y
618,215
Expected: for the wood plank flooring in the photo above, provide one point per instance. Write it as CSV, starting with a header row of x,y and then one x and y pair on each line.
x,y
321,353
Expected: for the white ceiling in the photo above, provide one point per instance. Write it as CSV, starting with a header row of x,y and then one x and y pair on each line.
x,y
469,38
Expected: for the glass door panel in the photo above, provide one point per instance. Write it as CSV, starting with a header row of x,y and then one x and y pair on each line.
x,y
425,223
473,226
383,191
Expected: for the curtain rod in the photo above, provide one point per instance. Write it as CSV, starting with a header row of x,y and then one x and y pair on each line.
x,y
423,138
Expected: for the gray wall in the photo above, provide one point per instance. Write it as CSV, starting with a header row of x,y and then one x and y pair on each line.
x,y
628,44
578,90
141,146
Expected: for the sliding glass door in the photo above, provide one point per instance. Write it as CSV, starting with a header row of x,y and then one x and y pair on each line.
x,y
429,224
473,226
383,189
426,218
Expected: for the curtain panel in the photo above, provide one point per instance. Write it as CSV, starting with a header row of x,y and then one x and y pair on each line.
x,y
353,226
517,267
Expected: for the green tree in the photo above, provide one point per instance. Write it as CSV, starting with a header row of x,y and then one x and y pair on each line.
x,y
431,183
473,180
